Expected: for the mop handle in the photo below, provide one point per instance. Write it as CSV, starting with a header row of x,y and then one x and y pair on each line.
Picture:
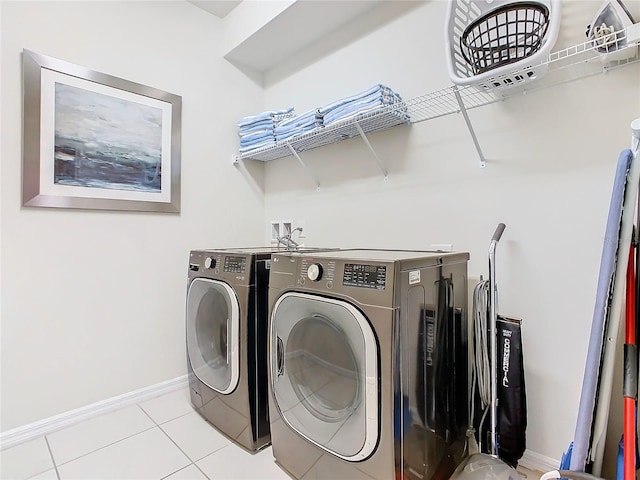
x,y
494,340
630,379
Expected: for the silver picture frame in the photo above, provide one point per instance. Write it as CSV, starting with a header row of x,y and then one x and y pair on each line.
x,y
95,141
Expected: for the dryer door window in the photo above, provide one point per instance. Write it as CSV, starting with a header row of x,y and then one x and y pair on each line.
x,y
325,373
213,333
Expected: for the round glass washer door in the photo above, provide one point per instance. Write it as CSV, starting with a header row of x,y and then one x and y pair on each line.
x,y
325,373
213,316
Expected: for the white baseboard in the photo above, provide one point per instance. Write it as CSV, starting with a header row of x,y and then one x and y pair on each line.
x,y
31,431
535,461
34,430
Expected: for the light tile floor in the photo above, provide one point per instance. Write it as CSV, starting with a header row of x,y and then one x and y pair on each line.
x,y
162,438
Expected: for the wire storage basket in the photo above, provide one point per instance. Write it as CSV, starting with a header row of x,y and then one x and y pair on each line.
x,y
497,44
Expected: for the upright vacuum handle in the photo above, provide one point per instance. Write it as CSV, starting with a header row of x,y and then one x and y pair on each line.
x,y
493,313
498,233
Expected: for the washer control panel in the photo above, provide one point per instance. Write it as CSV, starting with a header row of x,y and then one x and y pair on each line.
x,y
235,264
364,276
314,272
210,262
205,260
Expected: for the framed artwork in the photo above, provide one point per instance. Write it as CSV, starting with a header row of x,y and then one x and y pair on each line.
x,y
94,141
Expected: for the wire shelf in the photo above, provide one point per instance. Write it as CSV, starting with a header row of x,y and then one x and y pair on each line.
x,y
578,61
444,102
380,119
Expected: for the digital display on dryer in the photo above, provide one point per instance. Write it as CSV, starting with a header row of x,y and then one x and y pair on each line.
x,y
235,264
364,276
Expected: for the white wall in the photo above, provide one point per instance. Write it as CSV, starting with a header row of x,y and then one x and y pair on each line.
x,y
93,301
551,159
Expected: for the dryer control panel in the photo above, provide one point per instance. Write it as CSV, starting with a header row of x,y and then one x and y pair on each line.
x,y
364,276
323,273
310,269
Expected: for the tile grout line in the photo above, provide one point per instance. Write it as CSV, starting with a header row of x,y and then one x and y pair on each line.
x,y
230,444
193,462
182,451
185,467
107,445
53,460
173,473
166,421
180,416
148,416
202,471
172,441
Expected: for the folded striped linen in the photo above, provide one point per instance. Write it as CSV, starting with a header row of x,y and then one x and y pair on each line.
x,y
379,88
271,115
404,117
279,117
367,103
297,125
257,133
307,118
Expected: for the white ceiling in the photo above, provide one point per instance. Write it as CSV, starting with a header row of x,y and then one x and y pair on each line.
x,y
309,29
318,27
220,8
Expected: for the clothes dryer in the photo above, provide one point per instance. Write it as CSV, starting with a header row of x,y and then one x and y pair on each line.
x,y
369,364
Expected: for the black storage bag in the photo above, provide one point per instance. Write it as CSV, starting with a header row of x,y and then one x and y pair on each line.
x,y
512,399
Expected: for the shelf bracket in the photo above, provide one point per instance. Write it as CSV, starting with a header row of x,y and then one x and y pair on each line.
x,y
295,154
381,165
463,110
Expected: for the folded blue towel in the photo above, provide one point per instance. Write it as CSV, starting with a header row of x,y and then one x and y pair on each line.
x,y
254,146
267,128
295,132
252,141
252,127
269,115
307,125
375,89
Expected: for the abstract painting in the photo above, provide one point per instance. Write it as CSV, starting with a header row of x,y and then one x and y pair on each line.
x,y
94,141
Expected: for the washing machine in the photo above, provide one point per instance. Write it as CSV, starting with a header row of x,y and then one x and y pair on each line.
x,y
227,341
369,364
227,337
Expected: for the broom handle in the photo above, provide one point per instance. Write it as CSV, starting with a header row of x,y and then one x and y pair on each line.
x,y
630,382
493,335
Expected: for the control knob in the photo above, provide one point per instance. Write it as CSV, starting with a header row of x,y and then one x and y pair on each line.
x,y
209,262
314,272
